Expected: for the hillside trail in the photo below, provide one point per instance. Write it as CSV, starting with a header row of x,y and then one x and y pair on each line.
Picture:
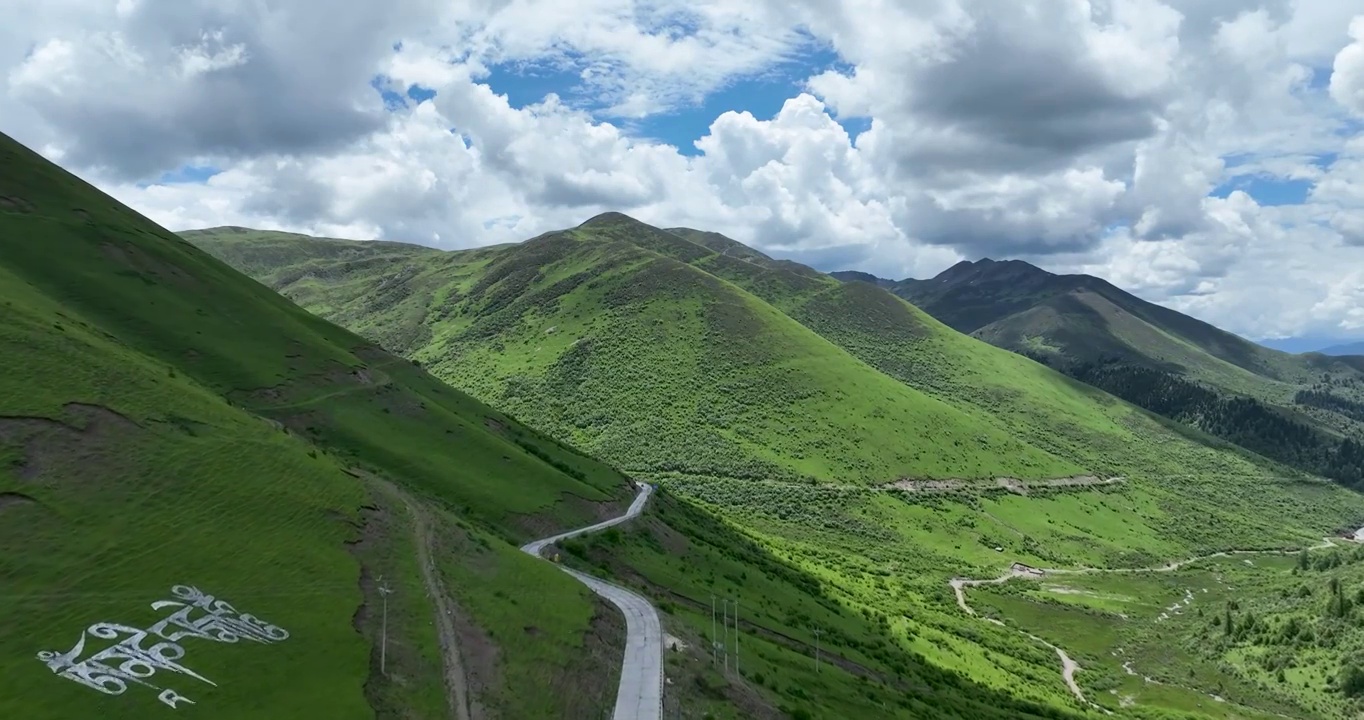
x,y
640,694
1068,666
1326,542
456,681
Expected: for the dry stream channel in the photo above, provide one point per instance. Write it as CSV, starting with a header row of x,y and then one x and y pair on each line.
x,y
1068,665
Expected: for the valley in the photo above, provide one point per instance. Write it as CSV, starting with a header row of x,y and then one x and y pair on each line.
x,y
780,408
826,457
640,360
170,428
1289,654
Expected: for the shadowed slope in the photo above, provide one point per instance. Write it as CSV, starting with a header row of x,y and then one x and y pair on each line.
x,y
169,421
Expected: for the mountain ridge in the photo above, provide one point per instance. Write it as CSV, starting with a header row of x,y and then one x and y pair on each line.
x,y
775,283
1176,365
1356,348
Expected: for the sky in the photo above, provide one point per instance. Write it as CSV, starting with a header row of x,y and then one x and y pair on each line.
x,y
1205,154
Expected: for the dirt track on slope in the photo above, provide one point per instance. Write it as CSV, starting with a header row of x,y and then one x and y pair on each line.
x,y
1068,666
456,680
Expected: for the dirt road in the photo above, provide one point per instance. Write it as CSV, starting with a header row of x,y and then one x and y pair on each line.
x,y
456,682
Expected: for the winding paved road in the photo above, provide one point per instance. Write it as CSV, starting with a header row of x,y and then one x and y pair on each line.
x,y
640,695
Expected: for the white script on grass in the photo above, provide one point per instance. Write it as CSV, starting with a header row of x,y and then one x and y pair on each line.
x,y
131,660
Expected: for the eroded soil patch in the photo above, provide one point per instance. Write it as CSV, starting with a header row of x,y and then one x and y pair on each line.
x,y
145,264
16,204
11,499
692,676
1001,484
48,443
335,380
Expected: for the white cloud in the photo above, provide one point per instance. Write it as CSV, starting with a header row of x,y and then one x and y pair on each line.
x,y
1347,77
1083,135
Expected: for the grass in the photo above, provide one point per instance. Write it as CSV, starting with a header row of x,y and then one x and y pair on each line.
x,y
1291,647
111,529
213,425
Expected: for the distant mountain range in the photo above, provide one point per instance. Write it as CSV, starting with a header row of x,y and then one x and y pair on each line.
x,y
1323,345
1304,410
1356,348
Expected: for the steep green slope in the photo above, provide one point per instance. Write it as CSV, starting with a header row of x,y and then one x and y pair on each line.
x,y
1304,410
656,365
166,421
778,402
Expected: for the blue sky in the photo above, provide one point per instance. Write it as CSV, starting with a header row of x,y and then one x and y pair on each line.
x,y
184,174
1268,190
761,95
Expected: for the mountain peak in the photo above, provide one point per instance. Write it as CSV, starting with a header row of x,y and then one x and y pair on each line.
x,y
990,269
610,218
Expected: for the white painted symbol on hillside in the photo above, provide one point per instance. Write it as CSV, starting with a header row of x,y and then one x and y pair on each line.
x,y
130,660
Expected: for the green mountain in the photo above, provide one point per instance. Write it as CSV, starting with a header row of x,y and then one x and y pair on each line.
x,y
172,430
823,446
1302,410
667,356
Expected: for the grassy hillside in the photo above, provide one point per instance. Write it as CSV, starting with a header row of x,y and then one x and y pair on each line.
x,y
651,363
781,404
166,421
1303,410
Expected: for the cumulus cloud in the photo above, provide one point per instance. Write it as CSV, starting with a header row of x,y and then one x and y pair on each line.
x,y
163,79
1085,135
1347,76
1003,86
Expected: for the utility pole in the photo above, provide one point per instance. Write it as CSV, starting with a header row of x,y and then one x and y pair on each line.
x,y
383,643
724,644
817,633
714,641
736,638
